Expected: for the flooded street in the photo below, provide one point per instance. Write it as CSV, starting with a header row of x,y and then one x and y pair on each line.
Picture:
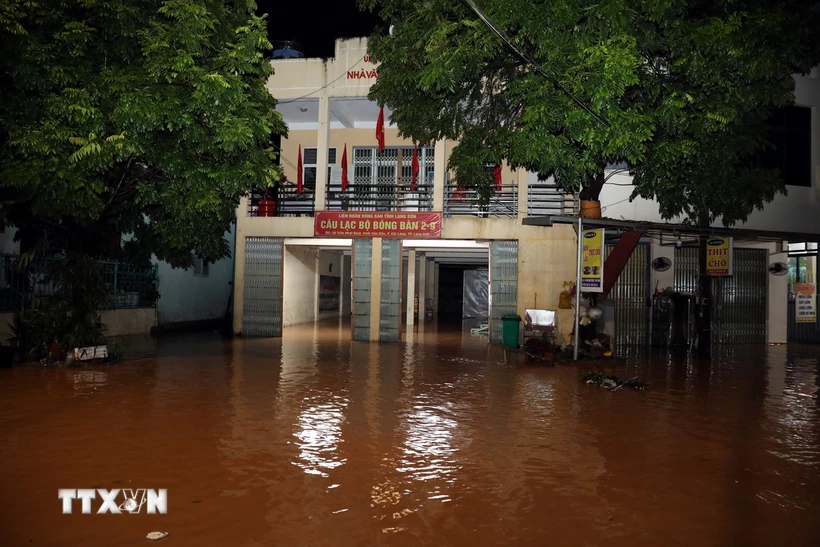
x,y
316,440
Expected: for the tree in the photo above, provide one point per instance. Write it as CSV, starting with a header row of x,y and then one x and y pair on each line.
x,y
141,117
676,92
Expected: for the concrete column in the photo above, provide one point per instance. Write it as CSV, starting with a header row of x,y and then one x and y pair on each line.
x,y
410,297
667,278
431,280
322,135
376,290
439,175
777,308
344,308
436,268
523,191
422,287
239,277
316,285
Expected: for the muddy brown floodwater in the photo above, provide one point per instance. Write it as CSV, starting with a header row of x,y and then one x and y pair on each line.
x,y
315,440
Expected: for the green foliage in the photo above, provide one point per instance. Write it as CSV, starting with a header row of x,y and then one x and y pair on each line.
x,y
72,315
684,88
142,117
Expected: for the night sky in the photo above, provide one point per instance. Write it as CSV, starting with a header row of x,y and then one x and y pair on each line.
x,y
316,25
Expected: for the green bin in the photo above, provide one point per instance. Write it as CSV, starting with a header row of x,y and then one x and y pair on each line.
x,y
509,332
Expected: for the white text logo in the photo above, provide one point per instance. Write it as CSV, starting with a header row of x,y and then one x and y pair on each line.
x,y
116,501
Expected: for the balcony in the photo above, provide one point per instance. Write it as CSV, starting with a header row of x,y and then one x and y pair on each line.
x,y
378,184
282,201
383,181
460,201
545,198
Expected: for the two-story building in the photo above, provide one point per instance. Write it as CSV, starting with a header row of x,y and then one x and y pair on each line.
x,y
379,235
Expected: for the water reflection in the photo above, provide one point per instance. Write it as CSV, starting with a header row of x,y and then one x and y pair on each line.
x,y
427,452
319,434
87,382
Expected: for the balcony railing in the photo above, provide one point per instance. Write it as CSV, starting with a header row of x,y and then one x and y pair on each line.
x,y
283,201
461,201
382,197
129,286
545,198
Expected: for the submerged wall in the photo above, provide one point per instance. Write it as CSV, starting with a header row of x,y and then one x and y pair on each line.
x,y
119,322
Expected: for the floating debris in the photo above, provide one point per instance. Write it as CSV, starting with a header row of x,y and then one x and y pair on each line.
x,y
612,382
156,536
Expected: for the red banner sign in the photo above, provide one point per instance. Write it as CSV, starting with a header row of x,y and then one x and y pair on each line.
x,y
388,224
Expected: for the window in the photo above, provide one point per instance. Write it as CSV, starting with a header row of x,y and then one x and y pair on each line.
x,y
201,267
309,158
790,139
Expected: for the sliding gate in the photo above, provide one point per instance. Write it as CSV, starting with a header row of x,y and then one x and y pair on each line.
x,y
631,297
262,297
738,302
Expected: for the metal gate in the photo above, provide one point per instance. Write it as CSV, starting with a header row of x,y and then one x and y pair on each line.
x,y
390,305
631,297
503,284
362,273
262,299
739,302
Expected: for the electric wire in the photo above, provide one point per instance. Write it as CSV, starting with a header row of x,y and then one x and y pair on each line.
x,y
528,58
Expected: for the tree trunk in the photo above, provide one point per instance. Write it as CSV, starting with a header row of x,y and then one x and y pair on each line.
x,y
592,189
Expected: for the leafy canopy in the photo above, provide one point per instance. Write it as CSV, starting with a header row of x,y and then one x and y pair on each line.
x,y
684,89
142,117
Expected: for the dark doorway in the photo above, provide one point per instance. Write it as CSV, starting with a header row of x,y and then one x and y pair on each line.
x,y
451,291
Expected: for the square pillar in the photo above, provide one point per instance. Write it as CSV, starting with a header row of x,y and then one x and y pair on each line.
x,y
316,284
436,268
523,192
238,280
345,304
439,175
777,310
422,288
322,136
411,290
376,290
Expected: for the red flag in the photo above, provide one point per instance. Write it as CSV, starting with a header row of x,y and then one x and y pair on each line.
x,y
299,187
415,169
459,195
344,168
497,178
380,129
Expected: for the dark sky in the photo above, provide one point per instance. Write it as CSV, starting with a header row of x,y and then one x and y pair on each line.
x,y
315,25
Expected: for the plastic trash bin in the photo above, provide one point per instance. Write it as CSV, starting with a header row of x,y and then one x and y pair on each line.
x,y
509,331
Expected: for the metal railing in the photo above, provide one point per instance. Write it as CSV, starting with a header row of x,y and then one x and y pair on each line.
x,y
130,286
461,201
546,198
381,197
282,201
